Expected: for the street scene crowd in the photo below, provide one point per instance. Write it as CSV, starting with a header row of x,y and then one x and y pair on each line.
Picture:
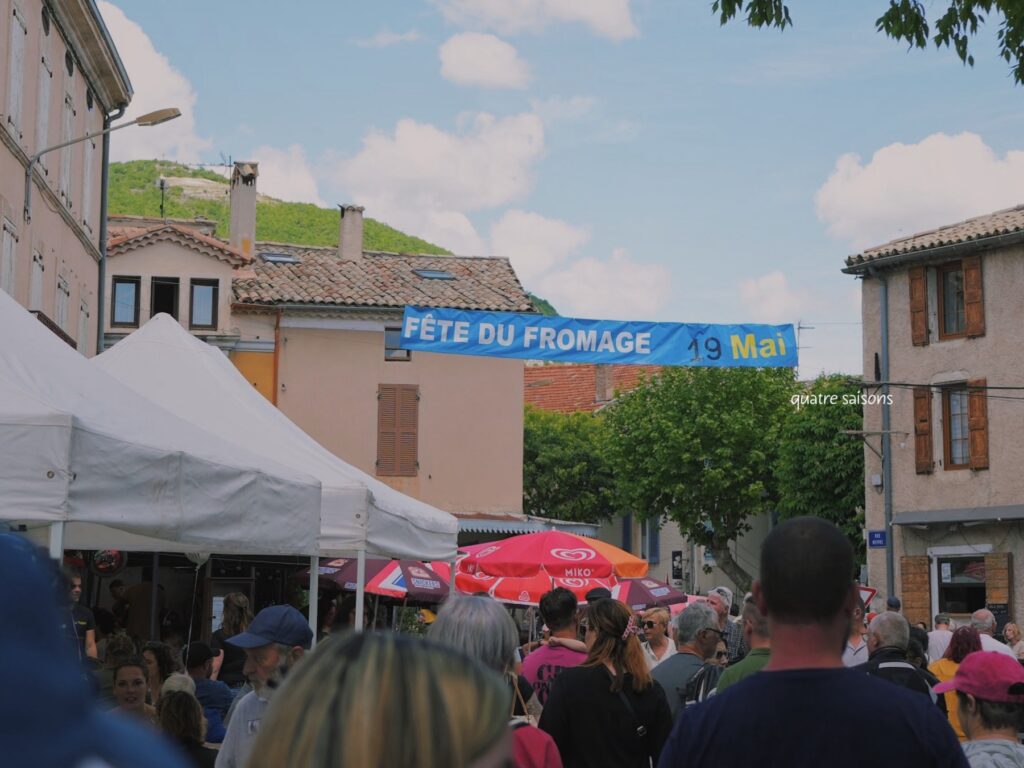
x,y
802,675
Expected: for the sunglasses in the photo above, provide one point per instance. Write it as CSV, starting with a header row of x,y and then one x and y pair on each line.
x,y
648,624
720,633
722,655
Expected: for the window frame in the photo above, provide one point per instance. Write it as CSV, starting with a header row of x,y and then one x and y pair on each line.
x,y
388,357
940,285
8,256
947,431
202,281
137,281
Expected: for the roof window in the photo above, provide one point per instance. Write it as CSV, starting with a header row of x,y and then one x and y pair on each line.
x,y
279,258
434,274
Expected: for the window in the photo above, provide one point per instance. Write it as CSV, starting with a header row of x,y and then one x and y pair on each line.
x,y
43,108
164,297
88,160
952,318
393,345
955,434
15,70
7,257
203,303
67,126
83,327
35,291
398,430
650,549
434,274
124,302
961,584
63,297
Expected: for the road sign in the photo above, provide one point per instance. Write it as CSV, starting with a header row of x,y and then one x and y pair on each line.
x,y
876,539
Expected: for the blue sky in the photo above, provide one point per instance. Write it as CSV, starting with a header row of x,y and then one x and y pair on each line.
x,y
634,159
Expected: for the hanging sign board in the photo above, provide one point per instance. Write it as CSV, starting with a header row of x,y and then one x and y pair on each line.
x,y
570,340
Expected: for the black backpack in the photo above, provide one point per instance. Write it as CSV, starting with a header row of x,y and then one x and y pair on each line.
x,y
699,687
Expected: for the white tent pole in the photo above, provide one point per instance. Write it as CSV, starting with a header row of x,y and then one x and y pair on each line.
x,y
360,587
451,575
57,541
314,593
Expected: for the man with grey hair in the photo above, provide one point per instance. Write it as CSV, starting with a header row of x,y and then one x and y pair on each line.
x,y
888,637
696,634
720,598
984,621
938,638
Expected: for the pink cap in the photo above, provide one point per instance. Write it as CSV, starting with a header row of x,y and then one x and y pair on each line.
x,y
988,675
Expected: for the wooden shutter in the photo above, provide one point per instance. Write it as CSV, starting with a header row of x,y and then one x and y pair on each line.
x,y
15,69
408,431
977,422
919,306
397,430
923,430
999,579
974,299
916,591
387,429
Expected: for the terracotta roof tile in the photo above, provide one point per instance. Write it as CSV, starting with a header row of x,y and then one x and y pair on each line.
x,y
569,388
124,239
1002,222
321,277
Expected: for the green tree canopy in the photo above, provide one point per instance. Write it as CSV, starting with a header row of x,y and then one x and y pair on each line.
x,y
907,20
699,445
565,474
820,470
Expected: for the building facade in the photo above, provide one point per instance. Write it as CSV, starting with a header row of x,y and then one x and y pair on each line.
x,y
60,78
944,308
316,331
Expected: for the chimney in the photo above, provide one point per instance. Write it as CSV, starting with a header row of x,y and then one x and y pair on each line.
x,y
604,383
243,207
350,236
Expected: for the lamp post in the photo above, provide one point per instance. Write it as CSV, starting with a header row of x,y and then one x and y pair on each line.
x,y
149,119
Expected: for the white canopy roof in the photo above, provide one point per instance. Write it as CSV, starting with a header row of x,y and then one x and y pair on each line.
x,y
78,447
197,382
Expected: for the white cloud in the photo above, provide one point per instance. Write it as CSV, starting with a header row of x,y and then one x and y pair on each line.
x,y
616,288
769,299
424,180
286,174
557,110
386,38
472,58
157,85
534,243
907,188
607,18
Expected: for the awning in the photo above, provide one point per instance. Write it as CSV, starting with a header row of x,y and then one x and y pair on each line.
x,y
964,515
528,524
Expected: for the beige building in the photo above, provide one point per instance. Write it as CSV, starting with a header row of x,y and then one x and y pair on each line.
x,y
316,331
942,315
60,78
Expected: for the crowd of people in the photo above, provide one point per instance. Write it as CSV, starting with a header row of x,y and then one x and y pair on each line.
x,y
804,674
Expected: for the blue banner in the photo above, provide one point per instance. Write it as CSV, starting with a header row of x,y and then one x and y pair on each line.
x,y
565,339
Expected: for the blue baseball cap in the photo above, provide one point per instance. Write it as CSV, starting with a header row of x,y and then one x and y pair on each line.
x,y
276,624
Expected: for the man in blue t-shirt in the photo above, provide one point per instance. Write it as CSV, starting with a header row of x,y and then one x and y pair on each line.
x,y
806,708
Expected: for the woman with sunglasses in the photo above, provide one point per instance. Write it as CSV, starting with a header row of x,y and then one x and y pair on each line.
x,y
657,645
608,710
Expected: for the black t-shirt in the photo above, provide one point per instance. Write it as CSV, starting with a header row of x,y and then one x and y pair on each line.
x,y
234,659
80,621
592,726
839,717
525,692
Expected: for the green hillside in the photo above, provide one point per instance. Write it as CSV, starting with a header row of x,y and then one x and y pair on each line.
x,y
134,192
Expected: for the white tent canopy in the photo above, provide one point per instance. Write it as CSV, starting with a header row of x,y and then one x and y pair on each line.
x,y
197,382
80,450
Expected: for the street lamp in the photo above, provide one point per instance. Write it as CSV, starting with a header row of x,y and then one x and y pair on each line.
x,y
146,120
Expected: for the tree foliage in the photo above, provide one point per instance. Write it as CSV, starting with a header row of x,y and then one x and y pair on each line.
x,y
907,21
820,470
565,473
134,192
699,445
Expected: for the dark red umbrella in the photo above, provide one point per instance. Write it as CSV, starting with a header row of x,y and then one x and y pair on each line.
x,y
402,579
647,593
